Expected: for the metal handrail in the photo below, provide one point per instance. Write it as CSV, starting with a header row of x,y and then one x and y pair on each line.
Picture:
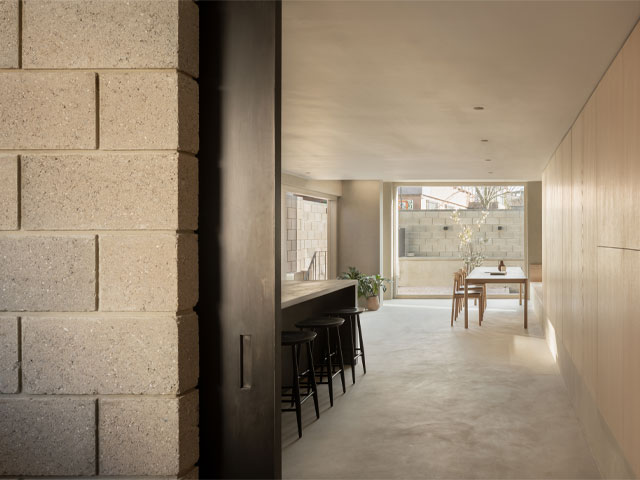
x,y
317,266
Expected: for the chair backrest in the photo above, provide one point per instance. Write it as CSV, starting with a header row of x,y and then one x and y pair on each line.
x,y
457,279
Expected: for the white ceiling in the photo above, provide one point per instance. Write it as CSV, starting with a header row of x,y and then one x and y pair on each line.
x,y
386,90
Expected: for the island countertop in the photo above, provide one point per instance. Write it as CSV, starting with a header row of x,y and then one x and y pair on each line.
x,y
295,291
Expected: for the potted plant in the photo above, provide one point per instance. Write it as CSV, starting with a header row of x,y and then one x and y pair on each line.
x,y
369,286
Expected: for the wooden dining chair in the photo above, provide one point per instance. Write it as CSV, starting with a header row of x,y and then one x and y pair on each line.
x,y
457,303
475,287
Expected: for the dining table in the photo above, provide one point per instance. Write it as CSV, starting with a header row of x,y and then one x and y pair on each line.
x,y
485,275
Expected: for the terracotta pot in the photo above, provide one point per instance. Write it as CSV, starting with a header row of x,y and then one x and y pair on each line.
x,y
373,303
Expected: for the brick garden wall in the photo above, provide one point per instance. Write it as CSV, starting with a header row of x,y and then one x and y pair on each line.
x,y
98,256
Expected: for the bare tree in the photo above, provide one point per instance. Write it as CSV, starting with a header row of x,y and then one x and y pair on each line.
x,y
486,195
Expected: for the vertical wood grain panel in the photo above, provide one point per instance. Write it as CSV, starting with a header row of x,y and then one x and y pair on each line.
x,y
611,310
589,242
591,262
610,107
631,359
565,273
630,182
576,248
545,241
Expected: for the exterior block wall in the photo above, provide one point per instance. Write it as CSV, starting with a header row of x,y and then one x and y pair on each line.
x,y
98,251
425,235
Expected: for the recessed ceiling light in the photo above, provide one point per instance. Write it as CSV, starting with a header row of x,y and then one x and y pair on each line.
x,y
490,173
308,173
487,159
478,108
484,140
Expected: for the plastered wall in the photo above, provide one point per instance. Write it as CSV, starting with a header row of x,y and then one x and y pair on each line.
x,y
98,256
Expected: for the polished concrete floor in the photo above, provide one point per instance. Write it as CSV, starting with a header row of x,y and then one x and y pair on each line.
x,y
442,402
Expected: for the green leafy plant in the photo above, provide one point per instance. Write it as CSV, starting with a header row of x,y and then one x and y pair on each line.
x,y
368,285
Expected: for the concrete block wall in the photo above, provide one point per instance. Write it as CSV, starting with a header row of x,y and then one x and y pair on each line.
x,y
307,232
98,255
425,235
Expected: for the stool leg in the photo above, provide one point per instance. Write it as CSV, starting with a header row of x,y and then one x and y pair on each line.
x,y
329,369
353,349
312,379
344,388
364,363
296,389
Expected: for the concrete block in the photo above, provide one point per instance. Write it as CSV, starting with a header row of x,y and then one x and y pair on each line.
x,y
114,34
47,110
109,355
47,273
9,34
151,272
9,358
47,436
148,110
148,436
8,192
122,191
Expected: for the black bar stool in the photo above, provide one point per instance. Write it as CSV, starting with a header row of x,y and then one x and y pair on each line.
x,y
326,324
352,314
295,340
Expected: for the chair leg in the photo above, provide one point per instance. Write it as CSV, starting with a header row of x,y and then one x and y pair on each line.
x,y
453,307
296,389
364,363
312,379
341,359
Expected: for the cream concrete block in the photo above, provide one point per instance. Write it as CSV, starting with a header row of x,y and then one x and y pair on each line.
x,y
148,436
9,358
112,34
8,192
47,273
9,34
47,110
47,436
109,355
151,272
148,110
123,191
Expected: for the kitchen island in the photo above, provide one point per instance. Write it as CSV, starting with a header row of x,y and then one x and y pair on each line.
x,y
312,298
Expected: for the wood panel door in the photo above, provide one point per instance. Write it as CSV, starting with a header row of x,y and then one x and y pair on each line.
x,y
631,359
566,317
590,249
576,246
630,182
609,143
611,313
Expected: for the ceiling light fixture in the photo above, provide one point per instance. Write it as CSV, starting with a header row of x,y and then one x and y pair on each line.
x,y
478,108
484,140
487,159
490,173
